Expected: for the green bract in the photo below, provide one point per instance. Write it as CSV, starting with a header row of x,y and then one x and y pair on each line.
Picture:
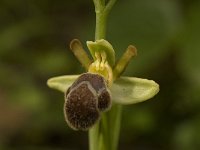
x,y
125,90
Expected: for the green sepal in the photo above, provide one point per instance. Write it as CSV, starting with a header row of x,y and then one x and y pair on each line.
x,y
125,90
62,83
102,45
130,90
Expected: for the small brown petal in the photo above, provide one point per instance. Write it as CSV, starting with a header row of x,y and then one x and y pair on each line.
x,y
104,100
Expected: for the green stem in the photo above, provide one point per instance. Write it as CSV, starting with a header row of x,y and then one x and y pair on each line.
x,y
102,10
105,134
100,31
114,121
94,137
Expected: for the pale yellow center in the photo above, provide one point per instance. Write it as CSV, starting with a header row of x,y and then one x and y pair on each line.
x,y
101,66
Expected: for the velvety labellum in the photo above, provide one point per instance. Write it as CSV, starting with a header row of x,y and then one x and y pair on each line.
x,y
84,101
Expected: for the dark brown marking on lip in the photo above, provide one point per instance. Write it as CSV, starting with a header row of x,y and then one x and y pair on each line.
x,y
80,108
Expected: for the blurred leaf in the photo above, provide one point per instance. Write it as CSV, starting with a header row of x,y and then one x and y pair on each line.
x,y
29,96
149,25
56,61
139,118
16,34
190,46
187,135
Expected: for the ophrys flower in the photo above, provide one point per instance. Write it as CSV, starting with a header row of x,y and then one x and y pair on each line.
x,y
89,94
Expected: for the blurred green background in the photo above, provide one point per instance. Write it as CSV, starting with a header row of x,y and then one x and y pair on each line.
x,y
34,38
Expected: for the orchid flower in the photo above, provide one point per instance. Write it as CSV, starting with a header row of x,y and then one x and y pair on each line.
x,y
89,94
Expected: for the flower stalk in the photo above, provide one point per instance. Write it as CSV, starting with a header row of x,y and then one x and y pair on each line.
x,y
102,10
104,135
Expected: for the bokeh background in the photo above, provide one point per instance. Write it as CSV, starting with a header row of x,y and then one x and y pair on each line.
x,y
34,38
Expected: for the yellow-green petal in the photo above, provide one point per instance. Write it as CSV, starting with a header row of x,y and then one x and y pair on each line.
x,y
130,90
62,83
102,45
